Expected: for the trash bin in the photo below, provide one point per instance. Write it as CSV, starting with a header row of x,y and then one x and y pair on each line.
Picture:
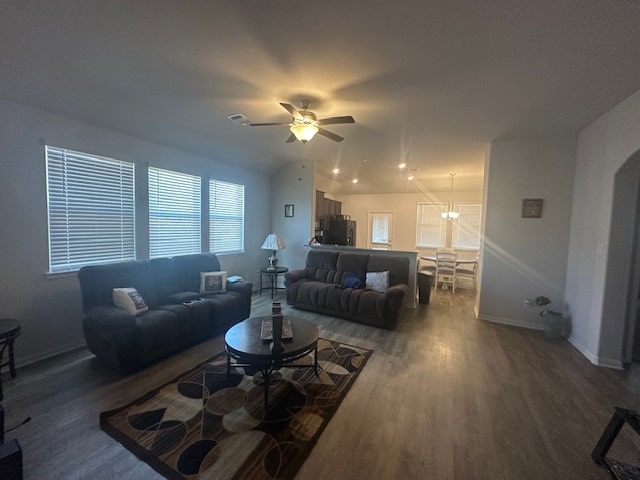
x,y
424,286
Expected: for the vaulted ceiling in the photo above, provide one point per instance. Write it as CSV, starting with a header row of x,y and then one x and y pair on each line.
x,y
429,83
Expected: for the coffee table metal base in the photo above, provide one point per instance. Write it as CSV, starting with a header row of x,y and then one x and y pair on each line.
x,y
276,364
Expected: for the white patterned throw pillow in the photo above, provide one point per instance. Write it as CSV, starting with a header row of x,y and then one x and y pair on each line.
x,y
378,281
130,300
213,282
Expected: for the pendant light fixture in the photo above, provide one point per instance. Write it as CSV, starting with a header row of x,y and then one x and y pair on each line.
x,y
450,214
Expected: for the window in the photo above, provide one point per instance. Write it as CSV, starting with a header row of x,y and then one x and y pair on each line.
x,y
431,230
466,230
174,213
91,209
226,217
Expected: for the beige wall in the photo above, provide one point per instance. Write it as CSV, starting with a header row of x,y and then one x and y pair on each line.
x,y
403,205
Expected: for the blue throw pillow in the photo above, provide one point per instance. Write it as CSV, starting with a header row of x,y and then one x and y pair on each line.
x,y
351,280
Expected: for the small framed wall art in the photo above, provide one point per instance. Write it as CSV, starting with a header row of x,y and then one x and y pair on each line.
x,y
532,208
288,210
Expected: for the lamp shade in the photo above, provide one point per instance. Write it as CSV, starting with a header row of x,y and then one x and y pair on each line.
x,y
273,242
303,131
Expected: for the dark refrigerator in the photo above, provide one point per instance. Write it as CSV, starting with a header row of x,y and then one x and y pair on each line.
x,y
340,232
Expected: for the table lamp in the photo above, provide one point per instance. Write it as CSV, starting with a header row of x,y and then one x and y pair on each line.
x,y
274,243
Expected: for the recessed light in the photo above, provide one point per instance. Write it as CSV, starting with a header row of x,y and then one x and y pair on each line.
x,y
336,171
355,180
410,177
402,166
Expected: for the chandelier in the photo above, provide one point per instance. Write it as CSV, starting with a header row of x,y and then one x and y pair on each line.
x,y
450,214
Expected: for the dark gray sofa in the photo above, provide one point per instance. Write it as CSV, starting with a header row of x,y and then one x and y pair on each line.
x,y
318,287
178,314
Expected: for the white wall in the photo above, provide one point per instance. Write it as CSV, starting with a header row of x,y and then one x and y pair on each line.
x,y
404,206
524,258
49,309
599,263
293,184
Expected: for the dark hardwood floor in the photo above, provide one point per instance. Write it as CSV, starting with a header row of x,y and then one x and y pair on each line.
x,y
444,396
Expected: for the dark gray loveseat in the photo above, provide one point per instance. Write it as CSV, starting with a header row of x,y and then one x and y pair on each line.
x,y
318,287
175,319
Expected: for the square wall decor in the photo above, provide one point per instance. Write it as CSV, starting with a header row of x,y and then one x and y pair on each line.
x,y
532,208
288,210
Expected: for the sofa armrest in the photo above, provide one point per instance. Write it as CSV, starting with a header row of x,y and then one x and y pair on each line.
x,y
246,288
294,276
110,317
397,291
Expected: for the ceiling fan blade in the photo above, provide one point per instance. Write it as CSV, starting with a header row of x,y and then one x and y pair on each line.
x,y
336,120
291,139
292,110
330,135
265,124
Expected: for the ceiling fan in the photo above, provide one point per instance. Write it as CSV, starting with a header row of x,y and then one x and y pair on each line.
x,y
305,124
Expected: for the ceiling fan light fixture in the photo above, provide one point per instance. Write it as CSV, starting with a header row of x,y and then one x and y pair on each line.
x,y
303,132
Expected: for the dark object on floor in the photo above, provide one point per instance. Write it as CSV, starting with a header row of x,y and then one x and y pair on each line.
x,y
9,331
178,315
10,460
617,469
319,286
205,423
424,287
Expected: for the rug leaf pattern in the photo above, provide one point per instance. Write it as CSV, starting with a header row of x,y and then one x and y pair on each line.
x,y
204,425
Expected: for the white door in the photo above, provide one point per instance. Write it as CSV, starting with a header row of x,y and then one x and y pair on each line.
x,y
380,230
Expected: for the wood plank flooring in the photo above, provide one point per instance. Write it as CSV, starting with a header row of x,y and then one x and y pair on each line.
x,y
444,396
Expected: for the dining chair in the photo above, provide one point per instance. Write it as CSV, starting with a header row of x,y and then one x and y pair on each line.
x,y
469,269
446,267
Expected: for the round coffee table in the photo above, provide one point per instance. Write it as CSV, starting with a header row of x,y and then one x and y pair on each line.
x,y
243,344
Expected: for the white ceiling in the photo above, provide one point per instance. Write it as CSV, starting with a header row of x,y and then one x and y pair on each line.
x,y
430,83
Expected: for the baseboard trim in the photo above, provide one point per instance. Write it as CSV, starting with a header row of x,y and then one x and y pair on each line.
x,y
27,360
614,363
509,321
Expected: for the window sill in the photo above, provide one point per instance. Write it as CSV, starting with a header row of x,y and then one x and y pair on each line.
x,y
57,275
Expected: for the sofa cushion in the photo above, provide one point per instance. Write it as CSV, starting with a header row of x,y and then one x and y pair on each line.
x,y
378,281
213,282
321,265
349,263
129,300
158,331
188,267
98,281
398,267
164,277
352,280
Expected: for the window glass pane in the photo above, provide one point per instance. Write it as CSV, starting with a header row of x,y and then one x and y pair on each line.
x,y
226,217
174,213
466,230
91,209
430,228
380,229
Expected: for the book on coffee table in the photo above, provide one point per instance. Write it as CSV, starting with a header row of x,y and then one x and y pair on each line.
x,y
266,332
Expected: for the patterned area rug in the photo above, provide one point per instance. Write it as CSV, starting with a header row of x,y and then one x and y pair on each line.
x,y
203,425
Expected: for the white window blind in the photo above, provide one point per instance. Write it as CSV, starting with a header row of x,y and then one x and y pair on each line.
x,y
430,229
90,203
174,213
226,217
466,230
